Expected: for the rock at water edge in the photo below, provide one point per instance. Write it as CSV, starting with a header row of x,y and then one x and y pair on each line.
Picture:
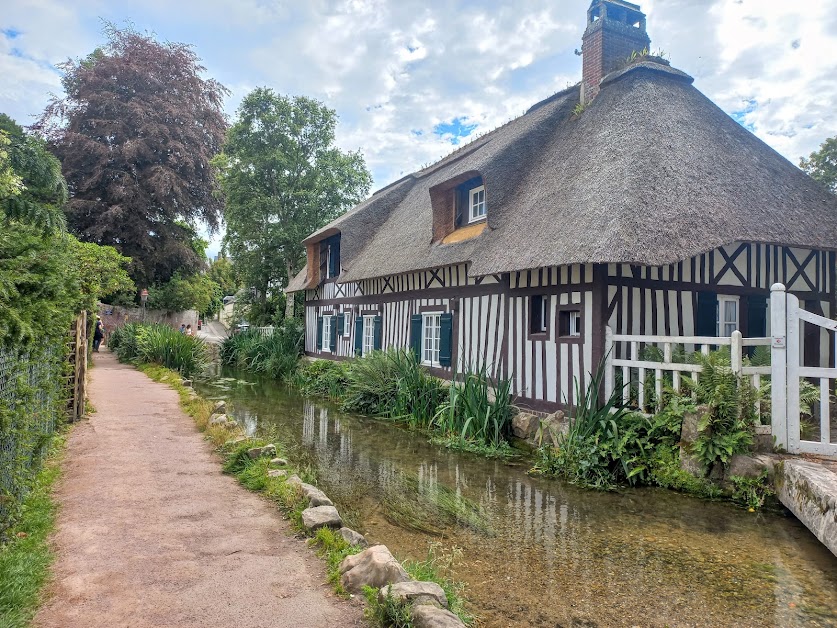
x,y
525,426
375,567
315,496
321,517
258,452
415,593
428,616
279,462
220,408
353,538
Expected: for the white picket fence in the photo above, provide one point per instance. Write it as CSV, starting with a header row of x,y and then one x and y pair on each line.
x,y
785,370
265,331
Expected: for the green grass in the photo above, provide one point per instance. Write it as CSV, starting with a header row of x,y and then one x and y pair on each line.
x,y
25,561
159,344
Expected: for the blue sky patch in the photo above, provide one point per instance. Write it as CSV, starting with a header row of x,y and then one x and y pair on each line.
x,y
10,33
740,115
456,128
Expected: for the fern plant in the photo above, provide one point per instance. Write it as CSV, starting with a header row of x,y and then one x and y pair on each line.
x,y
726,427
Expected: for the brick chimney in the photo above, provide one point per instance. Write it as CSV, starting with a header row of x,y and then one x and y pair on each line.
x,y
615,29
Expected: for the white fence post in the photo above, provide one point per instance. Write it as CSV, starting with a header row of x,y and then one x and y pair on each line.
x,y
778,365
736,349
792,374
609,376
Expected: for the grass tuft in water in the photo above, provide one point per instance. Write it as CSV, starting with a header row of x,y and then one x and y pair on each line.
x,y
430,508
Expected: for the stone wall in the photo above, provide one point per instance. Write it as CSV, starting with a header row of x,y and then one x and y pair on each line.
x,y
114,316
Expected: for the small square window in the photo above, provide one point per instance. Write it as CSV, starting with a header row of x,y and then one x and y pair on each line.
x,y
569,323
476,203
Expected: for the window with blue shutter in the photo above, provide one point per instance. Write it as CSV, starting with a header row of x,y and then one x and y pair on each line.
x,y
332,341
359,335
415,335
446,339
706,323
341,323
379,323
320,333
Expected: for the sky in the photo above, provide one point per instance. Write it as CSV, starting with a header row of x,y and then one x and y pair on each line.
x,y
411,80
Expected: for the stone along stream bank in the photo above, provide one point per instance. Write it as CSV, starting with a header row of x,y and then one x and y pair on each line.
x,y
541,553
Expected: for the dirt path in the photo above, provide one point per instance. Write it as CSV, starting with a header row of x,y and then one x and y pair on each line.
x,y
151,533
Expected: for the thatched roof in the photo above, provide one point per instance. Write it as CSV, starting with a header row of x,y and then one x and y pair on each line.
x,y
652,172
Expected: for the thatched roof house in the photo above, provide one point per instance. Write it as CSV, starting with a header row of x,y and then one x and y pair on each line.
x,y
633,168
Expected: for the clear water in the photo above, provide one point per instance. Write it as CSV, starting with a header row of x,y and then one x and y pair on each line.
x,y
550,554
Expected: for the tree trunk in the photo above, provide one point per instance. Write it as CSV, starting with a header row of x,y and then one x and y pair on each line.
x,y
289,296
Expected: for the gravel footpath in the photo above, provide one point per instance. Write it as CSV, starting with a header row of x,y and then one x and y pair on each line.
x,y
151,533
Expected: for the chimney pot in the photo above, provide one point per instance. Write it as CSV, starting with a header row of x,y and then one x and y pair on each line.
x,y
615,30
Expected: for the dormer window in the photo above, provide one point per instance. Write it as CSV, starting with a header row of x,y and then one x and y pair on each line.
x,y
330,257
477,204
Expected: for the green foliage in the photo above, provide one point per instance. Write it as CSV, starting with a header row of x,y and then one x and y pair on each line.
x,y
37,191
25,560
477,410
275,355
184,292
333,548
726,427
752,493
10,183
282,178
822,164
323,378
159,344
386,613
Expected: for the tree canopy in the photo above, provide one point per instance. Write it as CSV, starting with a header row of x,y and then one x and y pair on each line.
x,y
282,178
135,135
46,275
822,164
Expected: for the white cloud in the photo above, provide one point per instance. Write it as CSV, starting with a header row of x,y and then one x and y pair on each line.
x,y
396,70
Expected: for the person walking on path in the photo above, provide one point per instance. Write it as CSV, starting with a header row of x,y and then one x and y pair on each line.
x,y
98,333
189,331
151,533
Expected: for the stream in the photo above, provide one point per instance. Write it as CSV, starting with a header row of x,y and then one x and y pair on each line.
x,y
541,552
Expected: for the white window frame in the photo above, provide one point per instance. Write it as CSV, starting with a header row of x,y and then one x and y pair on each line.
x,y
430,346
545,299
367,345
478,207
347,320
574,330
325,341
328,262
720,322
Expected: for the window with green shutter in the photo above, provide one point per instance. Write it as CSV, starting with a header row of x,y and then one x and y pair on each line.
x,y
359,335
379,324
445,339
415,335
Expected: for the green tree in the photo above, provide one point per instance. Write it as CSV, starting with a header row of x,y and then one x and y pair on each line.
x,y
135,135
46,275
193,292
822,164
282,178
40,192
10,183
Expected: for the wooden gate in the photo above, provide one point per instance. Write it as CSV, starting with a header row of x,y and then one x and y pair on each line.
x,y
77,379
821,377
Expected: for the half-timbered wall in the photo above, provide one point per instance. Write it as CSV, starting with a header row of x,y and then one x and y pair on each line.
x,y
662,300
491,315
491,323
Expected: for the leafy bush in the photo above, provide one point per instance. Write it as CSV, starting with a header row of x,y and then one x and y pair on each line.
x,y
726,428
752,493
477,410
321,377
159,344
275,355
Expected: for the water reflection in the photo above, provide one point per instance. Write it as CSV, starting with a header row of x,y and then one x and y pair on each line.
x,y
550,554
